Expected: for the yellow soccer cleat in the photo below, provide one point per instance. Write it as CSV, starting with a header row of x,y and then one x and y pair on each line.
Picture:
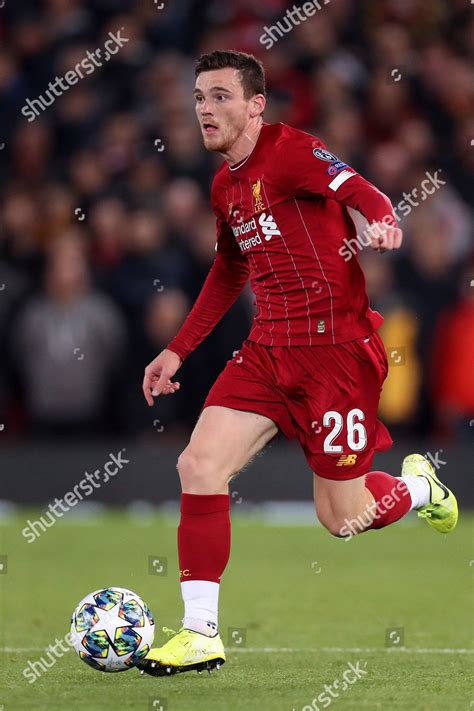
x,y
442,511
185,651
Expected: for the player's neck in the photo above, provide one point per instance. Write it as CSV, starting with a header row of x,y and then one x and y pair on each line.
x,y
245,143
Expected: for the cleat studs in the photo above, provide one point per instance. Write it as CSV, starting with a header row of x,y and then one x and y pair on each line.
x,y
168,670
153,665
218,666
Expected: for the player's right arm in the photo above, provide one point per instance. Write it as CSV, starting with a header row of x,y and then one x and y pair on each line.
x,y
226,279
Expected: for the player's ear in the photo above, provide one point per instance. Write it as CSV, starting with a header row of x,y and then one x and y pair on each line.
x,y
257,105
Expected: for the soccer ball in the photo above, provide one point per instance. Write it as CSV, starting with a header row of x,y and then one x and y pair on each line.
x,y
112,629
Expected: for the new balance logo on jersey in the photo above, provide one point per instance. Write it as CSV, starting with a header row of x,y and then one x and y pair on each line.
x,y
269,226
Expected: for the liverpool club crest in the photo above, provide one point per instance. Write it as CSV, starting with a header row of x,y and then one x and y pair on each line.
x,y
258,204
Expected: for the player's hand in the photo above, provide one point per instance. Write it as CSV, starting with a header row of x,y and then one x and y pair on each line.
x,y
158,373
384,237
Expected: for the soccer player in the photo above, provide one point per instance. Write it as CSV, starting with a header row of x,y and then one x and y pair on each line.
x,y
313,364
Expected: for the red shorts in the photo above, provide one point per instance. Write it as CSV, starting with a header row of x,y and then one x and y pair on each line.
x,y
325,396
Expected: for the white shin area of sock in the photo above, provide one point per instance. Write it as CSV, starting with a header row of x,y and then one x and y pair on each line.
x,y
201,600
419,489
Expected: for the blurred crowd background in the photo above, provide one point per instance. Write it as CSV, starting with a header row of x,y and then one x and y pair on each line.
x,y
106,232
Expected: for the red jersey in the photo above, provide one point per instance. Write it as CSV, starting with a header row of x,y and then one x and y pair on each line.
x,y
282,220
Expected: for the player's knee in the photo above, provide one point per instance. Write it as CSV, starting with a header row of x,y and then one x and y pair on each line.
x,y
334,526
197,473
191,469
345,526
342,520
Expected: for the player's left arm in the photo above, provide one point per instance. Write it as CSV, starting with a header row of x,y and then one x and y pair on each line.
x,y
351,189
310,169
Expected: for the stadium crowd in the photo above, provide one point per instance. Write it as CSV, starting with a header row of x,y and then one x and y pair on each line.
x,y
106,232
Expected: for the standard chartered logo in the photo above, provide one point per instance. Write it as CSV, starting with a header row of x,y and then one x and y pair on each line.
x,y
269,226
244,228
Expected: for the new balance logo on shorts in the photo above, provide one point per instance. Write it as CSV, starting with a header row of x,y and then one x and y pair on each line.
x,y
346,460
269,229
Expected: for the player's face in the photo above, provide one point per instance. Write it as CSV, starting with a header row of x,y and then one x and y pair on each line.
x,y
223,112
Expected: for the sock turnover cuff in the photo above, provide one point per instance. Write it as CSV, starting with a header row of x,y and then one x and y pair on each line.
x,y
204,503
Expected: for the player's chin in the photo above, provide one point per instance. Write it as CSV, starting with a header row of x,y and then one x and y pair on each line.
x,y
214,142
211,145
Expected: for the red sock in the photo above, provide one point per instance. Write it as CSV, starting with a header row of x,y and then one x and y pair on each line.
x,y
204,536
391,496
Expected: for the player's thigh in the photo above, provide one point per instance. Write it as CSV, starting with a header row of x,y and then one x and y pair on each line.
x,y
336,415
231,436
222,442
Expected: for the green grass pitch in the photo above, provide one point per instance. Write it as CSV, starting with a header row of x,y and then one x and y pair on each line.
x,y
303,606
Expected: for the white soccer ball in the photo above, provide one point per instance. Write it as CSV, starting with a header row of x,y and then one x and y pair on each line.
x,y
112,629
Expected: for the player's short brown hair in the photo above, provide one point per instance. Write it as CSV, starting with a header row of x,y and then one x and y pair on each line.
x,y
252,73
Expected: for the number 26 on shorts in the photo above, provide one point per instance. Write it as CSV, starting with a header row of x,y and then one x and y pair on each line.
x,y
356,432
